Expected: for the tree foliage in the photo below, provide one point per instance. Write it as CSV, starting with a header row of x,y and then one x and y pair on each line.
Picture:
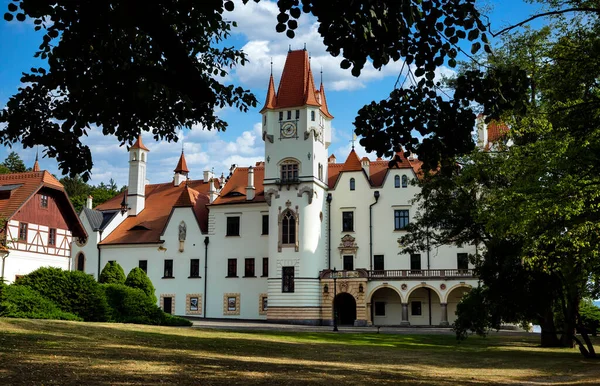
x,y
137,278
125,71
112,273
13,164
79,191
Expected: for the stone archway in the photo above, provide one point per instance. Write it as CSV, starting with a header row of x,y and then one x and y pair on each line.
x,y
345,304
453,297
386,307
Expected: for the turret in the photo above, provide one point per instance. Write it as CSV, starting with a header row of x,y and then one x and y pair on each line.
x,y
181,171
136,190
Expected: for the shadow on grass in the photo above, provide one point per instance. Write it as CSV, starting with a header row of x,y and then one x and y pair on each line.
x,y
35,352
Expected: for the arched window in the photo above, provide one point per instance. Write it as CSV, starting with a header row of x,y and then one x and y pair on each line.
x,y
288,229
312,116
396,181
80,262
143,157
289,170
404,181
133,157
352,184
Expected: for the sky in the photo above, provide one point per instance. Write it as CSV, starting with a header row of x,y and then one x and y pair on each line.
x,y
241,144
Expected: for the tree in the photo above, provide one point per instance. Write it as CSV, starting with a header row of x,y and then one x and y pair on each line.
x,y
137,278
112,66
14,163
112,273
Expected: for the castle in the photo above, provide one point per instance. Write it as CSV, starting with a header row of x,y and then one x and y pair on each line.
x,y
289,239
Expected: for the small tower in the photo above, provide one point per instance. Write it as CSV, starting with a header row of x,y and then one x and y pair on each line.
x,y
136,190
181,171
36,165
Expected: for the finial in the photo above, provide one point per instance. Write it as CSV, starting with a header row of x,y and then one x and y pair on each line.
x,y
37,150
290,48
321,74
304,46
352,140
271,66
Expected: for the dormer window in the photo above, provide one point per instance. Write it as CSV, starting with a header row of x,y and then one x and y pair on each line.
x,y
289,171
404,181
352,184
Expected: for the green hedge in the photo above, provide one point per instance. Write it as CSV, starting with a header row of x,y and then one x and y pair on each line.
x,y
137,278
72,291
23,302
112,273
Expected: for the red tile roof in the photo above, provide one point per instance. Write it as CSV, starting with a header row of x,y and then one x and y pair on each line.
x,y
234,191
139,144
24,186
496,130
352,163
160,201
296,86
181,166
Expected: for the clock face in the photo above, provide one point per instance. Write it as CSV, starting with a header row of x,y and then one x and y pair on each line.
x,y
288,130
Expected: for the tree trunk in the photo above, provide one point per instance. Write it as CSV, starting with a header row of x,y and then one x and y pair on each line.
x,y
548,335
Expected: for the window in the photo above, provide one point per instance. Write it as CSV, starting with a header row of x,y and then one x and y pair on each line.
x,y
462,261
415,262
264,303
312,116
168,304
287,279
143,264
404,181
320,172
265,119
289,171
249,267
400,219
415,309
44,201
80,262
231,267
265,272
194,267
352,184
281,115
288,228
23,231
378,262
289,115
396,181
52,236
168,269
379,308
233,226
348,263
347,221
297,114
265,224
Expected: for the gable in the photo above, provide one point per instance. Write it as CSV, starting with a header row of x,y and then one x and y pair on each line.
x,y
32,211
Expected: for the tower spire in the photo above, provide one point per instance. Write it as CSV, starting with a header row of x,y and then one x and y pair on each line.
x,y
271,66
36,165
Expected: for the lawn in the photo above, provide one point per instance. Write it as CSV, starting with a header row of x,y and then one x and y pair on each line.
x,y
53,352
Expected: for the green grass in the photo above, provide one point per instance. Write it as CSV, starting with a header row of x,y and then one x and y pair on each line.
x,y
57,352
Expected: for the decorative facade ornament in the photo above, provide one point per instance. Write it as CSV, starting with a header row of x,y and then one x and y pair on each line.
x,y
288,203
268,137
348,245
343,286
182,234
404,287
269,193
308,190
442,286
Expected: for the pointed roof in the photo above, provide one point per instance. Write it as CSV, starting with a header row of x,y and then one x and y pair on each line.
x,y
187,198
36,165
271,100
139,144
324,107
352,163
181,165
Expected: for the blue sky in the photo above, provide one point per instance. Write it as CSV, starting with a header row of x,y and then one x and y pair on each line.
x,y
241,143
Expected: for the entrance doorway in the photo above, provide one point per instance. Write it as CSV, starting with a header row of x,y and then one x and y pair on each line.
x,y
346,309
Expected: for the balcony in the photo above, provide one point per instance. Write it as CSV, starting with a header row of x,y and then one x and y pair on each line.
x,y
407,274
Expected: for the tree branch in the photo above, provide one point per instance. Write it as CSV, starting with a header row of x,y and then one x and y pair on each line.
x,y
551,13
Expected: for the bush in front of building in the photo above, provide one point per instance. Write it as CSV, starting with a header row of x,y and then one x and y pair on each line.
x,y
590,316
137,278
72,291
133,305
112,273
17,301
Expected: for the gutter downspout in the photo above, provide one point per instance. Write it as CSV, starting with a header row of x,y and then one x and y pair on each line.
x,y
99,254
376,195
206,241
428,268
329,199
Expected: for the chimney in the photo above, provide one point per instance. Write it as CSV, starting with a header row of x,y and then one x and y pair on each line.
x,y
212,191
88,202
136,189
365,165
250,187
208,175
221,181
331,159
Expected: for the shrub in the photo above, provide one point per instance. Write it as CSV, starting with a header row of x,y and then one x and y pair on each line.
x,y
72,291
137,278
112,274
23,302
590,316
172,320
131,305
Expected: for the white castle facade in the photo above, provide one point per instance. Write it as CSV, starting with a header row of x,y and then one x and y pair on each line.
x,y
289,239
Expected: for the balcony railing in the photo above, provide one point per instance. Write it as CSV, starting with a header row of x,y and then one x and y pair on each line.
x,y
407,274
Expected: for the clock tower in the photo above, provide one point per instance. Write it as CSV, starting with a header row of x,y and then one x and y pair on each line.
x,y
296,129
